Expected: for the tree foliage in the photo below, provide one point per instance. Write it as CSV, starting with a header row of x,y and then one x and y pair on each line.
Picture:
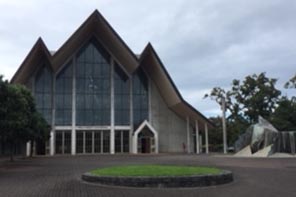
x,y
19,119
215,138
291,83
255,96
284,117
247,99
233,131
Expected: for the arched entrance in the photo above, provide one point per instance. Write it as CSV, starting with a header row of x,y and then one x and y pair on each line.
x,y
145,139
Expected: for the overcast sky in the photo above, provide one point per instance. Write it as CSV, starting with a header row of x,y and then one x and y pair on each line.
x,y
202,43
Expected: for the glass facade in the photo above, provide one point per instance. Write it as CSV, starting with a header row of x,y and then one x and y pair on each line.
x,y
93,141
122,141
140,97
98,142
90,71
88,142
63,142
59,143
43,93
79,142
121,97
106,142
93,90
63,96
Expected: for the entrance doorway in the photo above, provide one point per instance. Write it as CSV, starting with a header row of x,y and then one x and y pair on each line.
x,y
145,139
146,145
146,142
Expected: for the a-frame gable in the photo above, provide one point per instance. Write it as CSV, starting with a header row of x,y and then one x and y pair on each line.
x,y
96,27
38,55
152,64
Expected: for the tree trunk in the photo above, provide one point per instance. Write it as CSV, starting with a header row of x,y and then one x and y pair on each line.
x,y
11,151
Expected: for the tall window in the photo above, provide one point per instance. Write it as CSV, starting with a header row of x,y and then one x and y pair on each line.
x,y
63,142
93,86
140,97
121,97
122,141
63,96
43,93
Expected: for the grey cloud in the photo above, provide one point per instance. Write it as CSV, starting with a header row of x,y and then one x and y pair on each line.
x,y
202,43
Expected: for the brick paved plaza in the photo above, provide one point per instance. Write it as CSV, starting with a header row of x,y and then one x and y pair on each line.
x,y
60,176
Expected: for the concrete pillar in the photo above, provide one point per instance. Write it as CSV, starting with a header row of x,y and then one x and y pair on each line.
x,y
188,134
135,143
121,141
112,132
28,148
207,138
131,115
156,143
73,131
73,142
51,143
52,132
197,136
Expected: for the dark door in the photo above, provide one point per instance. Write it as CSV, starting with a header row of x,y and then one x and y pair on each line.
x,y
146,146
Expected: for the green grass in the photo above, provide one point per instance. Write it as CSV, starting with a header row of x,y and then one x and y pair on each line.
x,y
154,170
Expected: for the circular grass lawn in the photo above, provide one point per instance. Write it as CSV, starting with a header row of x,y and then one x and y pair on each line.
x,y
154,171
158,176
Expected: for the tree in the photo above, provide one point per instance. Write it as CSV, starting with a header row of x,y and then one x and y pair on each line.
x,y
39,130
215,136
245,101
284,117
291,83
14,110
255,96
18,120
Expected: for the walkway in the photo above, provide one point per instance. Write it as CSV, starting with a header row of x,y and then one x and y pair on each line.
x,y
60,176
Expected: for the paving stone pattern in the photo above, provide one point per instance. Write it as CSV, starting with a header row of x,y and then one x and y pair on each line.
x,y
61,176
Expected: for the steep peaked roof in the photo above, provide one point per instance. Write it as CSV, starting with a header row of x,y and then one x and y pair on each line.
x,y
97,27
94,26
39,53
152,64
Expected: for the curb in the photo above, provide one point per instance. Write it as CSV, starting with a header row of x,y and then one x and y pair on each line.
x,y
163,181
